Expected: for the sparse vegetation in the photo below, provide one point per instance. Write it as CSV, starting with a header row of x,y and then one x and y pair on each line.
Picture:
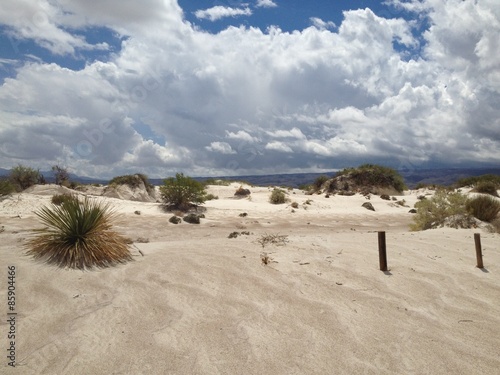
x,y
61,174
274,239
78,235
23,177
484,208
475,180
319,181
433,212
134,181
241,192
210,197
375,175
59,199
6,187
295,205
486,187
277,197
192,218
182,192
265,258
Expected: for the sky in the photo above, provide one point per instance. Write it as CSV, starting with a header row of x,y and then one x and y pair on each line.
x,y
230,87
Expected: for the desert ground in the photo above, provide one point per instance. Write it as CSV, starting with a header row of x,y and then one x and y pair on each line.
x,y
194,301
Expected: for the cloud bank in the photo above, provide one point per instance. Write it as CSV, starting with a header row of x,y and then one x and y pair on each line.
x,y
415,91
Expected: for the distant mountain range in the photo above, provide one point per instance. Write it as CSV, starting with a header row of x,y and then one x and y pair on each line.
x,y
441,176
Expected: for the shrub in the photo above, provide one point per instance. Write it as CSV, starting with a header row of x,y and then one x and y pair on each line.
x,y
475,180
134,181
23,177
59,199
486,187
433,212
79,235
277,196
182,192
375,175
295,205
210,197
6,187
241,192
274,239
319,181
484,208
60,174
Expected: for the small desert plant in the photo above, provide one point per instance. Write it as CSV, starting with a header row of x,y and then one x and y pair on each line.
x,y
6,187
60,174
295,205
319,181
241,192
277,197
265,258
210,197
486,187
23,177
432,213
182,192
274,239
484,208
134,181
78,235
59,199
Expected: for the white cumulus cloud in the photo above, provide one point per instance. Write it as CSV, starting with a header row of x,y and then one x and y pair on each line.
x,y
217,12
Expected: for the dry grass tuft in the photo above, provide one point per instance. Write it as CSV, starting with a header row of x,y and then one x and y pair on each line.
x,y
274,239
78,235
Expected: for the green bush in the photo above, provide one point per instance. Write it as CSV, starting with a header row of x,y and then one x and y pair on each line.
x,y
375,175
134,181
59,199
78,235
6,187
432,213
23,177
484,208
319,181
473,181
210,197
486,187
182,192
277,197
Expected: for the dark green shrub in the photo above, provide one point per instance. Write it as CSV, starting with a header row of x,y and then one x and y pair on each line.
x,y
375,175
210,197
182,192
319,181
23,177
59,199
473,181
486,187
78,235
134,181
6,187
484,208
277,197
433,212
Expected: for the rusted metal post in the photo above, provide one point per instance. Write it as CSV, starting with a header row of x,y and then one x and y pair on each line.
x,y
382,253
479,251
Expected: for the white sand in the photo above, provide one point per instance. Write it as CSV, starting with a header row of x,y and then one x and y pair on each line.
x,y
198,302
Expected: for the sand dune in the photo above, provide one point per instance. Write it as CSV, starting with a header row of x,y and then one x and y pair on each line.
x,y
198,302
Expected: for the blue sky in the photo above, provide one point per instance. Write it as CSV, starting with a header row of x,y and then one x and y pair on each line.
x,y
248,87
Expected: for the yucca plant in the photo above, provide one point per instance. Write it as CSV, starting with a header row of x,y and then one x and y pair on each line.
x,y
78,235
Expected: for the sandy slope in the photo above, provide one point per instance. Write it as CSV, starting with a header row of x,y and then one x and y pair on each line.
x,y
198,302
